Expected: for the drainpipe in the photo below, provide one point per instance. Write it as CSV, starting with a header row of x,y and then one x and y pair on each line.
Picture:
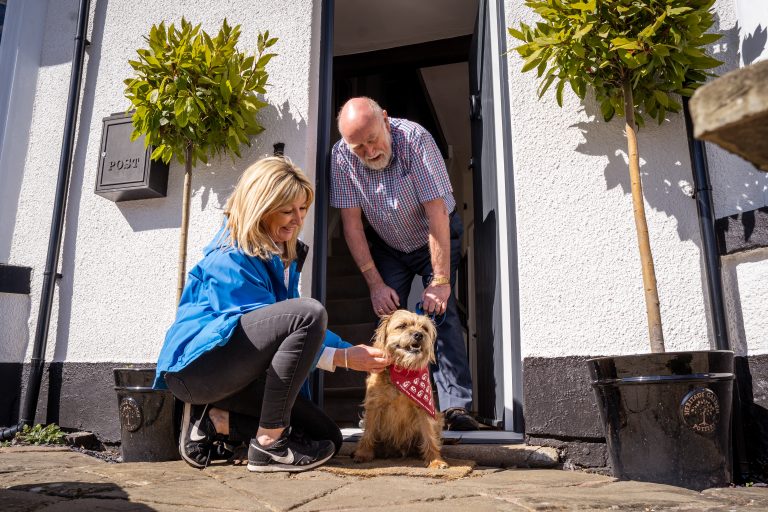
x,y
703,195
57,227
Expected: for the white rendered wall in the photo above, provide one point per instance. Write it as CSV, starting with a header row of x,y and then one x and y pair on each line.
x,y
744,278
581,289
117,295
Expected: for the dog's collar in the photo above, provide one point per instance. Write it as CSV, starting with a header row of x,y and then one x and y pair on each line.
x,y
415,385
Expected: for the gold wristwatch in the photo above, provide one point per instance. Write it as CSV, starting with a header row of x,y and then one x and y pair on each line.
x,y
440,281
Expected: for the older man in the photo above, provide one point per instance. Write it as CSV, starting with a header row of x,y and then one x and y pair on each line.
x,y
391,170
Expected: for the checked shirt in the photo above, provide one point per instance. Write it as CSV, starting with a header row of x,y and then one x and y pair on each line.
x,y
392,197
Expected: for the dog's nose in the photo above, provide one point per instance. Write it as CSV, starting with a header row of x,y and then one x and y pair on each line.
x,y
417,336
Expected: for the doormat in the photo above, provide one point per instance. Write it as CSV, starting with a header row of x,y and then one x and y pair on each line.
x,y
458,468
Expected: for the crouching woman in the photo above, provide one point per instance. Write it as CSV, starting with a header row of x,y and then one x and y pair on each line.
x,y
244,342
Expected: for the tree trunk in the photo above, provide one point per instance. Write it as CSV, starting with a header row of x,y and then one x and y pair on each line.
x,y
643,241
182,267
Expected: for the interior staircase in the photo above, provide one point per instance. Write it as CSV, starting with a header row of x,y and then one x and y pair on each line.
x,y
351,316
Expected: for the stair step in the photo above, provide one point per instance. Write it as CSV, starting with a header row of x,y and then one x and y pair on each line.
x,y
350,311
345,409
342,379
342,265
347,287
356,334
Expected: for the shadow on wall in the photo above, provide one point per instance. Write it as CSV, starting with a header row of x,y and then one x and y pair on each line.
x,y
665,162
667,175
85,120
215,181
80,495
753,44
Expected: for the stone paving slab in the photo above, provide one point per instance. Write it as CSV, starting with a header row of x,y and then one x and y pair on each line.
x,y
385,492
496,455
12,460
58,481
278,491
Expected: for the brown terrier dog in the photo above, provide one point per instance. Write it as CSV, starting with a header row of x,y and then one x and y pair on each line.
x,y
395,425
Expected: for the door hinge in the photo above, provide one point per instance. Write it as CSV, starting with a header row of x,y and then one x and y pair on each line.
x,y
475,110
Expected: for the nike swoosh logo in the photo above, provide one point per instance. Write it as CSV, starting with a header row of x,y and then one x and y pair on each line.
x,y
285,459
195,434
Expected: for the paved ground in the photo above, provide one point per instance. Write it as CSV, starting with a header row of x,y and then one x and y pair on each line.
x,y
58,480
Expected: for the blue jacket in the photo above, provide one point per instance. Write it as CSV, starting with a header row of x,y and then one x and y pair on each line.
x,y
223,286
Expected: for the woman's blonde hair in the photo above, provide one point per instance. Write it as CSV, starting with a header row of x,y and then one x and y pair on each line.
x,y
264,187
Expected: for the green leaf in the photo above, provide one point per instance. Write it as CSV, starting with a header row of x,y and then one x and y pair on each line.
x,y
179,106
239,119
545,85
516,33
622,43
606,108
705,62
583,31
559,93
157,153
674,11
584,6
226,90
661,97
707,39
532,61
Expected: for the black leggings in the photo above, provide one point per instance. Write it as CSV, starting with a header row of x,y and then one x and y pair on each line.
x,y
258,373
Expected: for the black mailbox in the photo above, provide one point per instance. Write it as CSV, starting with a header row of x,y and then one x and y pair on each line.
x,y
125,170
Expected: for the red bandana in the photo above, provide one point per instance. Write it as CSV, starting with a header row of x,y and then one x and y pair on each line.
x,y
415,385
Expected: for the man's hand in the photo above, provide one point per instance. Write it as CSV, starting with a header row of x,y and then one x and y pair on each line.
x,y
384,299
435,299
364,358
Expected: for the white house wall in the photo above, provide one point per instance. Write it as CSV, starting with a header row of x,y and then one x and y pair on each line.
x,y
578,259
117,294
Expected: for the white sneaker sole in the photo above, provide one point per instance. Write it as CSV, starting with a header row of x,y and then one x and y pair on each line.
x,y
184,430
287,468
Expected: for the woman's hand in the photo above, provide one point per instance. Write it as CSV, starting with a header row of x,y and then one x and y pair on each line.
x,y
362,358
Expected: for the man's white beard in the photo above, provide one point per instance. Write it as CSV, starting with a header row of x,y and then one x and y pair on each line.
x,y
382,161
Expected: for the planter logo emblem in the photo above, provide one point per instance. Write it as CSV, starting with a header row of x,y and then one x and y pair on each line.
x,y
130,414
700,410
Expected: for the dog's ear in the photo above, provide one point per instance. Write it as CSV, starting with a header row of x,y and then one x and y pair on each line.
x,y
380,336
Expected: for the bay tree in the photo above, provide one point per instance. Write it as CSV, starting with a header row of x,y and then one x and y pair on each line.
x,y
637,57
195,97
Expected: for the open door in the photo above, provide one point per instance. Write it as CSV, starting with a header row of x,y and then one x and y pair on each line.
x,y
494,261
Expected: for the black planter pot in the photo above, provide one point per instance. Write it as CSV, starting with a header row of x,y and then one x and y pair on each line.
x,y
149,418
667,417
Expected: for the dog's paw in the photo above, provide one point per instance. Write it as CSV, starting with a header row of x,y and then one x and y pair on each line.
x,y
360,456
438,464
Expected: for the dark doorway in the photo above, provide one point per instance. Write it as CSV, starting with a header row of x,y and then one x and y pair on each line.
x,y
428,82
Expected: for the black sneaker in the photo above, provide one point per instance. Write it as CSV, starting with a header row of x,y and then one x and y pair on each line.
x,y
289,453
457,418
199,443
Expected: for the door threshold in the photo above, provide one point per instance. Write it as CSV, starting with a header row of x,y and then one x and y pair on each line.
x,y
455,437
